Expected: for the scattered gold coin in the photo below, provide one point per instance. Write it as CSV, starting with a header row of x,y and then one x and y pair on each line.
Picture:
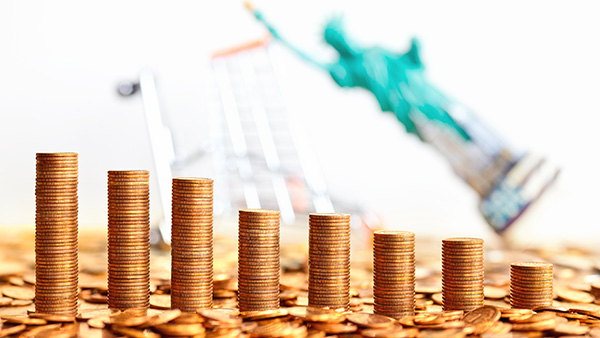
x,y
574,296
371,321
18,292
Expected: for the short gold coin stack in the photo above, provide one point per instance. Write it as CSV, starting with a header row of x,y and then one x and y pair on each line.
x,y
329,260
462,273
56,263
394,273
531,285
258,260
192,244
128,240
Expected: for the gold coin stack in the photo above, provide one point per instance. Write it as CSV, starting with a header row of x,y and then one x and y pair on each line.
x,y
192,244
462,273
56,263
128,240
530,285
394,273
329,261
258,260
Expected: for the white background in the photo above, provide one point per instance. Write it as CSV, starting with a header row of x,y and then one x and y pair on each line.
x,y
530,69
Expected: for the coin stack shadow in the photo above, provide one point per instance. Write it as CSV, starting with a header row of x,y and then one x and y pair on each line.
x,y
192,244
258,260
56,263
329,261
462,273
394,273
530,285
128,240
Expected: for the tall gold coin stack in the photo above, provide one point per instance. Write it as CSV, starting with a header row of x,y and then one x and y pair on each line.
x,y
192,244
258,260
329,261
394,273
56,263
530,285
462,273
128,240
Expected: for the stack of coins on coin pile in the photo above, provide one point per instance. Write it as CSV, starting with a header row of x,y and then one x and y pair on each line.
x,y
56,264
394,273
531,285
192,244
258,260
462,273
128,240
329,261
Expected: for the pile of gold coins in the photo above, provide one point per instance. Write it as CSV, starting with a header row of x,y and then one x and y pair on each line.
x,y
394,273
258,260
329,261
128,240
56,233
192,244
462,273
531,285
259,294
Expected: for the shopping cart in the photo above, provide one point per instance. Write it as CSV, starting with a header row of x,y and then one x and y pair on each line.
x,y
260,155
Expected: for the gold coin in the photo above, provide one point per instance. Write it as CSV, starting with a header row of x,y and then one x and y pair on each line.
x,y
482,314
23,320
531,265
227,316
266,314
335,328
367,320
52,317
389,333
173,329
328,216
462,241
545,325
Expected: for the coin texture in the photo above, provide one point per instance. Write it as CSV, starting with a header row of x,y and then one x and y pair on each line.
x,y
462,273
329,260
56,256
128,240
531,285
192,244
394,273
258,260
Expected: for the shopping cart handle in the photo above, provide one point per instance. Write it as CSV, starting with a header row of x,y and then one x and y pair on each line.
x,y
128,88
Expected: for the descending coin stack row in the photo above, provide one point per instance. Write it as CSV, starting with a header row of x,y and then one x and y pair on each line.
x,y
128,240
394,273
462,273
192,244
530,285
56,263
329,261
258,260
258,253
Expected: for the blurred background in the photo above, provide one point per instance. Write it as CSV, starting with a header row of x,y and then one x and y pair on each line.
x,y
530,70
